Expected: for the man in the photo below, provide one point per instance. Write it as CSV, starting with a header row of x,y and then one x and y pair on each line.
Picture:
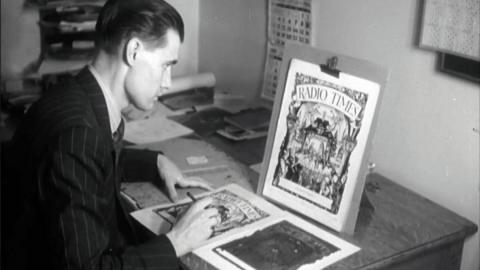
x,y
64,166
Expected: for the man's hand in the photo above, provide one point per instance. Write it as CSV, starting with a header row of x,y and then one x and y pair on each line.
x,y
194,227
172,176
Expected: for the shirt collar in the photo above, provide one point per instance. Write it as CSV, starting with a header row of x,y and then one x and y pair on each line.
x,y
114,112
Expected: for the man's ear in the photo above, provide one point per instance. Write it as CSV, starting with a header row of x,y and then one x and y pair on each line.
x,y
132,48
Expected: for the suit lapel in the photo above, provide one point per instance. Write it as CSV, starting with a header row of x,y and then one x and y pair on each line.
x,y
89,84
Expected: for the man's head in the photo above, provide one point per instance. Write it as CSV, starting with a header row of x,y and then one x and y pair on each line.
x,y
146,36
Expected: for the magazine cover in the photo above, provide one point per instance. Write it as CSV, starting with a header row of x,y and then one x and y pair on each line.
x,y
237,207
318,141
234,211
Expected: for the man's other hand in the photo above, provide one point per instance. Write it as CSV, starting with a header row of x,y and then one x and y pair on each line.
x,y
173,177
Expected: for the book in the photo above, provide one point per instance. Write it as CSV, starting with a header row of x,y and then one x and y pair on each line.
x,y
253,233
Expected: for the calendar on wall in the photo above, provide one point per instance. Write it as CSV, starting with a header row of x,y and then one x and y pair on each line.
x,y
289,20
452,26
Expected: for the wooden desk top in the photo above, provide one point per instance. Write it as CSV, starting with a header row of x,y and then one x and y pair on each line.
x,y
394,224
401,224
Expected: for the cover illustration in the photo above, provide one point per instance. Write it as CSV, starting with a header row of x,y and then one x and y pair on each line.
x,y
323,122
282,246
234,211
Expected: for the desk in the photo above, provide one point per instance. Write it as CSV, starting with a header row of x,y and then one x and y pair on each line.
x,y
399,230
396,228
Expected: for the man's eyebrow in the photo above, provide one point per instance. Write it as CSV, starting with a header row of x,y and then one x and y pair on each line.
x,y
171,63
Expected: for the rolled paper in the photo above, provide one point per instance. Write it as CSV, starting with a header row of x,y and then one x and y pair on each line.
x,y
193,81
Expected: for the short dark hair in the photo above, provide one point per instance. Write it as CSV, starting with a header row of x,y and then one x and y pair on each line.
x,y
149,20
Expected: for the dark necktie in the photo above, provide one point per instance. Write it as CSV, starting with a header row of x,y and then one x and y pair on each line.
x,y
125,222
117,137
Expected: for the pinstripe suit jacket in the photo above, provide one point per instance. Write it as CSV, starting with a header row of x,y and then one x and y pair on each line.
x,y
69,214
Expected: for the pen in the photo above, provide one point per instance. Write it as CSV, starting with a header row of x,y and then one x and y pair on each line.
x,y
191,196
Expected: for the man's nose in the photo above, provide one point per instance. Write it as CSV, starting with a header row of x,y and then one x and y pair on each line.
x,y
167,79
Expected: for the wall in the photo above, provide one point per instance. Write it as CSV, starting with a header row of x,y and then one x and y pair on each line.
x,y
20,37
232,43
188,58
425,139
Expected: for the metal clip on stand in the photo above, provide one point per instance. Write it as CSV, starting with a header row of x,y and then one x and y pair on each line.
x,y
331,67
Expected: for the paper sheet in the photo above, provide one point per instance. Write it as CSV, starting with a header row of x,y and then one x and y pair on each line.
x,y
154,129
143,194
256,167
231,103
